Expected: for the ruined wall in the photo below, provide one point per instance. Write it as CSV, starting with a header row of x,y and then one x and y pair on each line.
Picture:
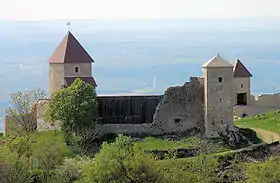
x,y
42,125
259,104
181,108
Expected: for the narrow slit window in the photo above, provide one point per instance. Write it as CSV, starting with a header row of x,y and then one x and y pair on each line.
x,y
241,85
220,79
76,69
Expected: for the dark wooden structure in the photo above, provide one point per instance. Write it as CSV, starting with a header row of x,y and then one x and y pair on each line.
x,y
127,109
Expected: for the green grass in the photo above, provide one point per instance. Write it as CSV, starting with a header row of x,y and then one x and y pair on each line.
x,y
267,121
151,143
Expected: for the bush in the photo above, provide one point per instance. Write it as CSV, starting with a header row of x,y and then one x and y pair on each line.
x,y
264,171
121,162
32,158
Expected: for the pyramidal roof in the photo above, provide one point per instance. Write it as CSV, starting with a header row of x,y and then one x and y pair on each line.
x,y
70,51
217,61
240,70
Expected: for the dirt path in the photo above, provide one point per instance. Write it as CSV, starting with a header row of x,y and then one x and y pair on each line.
x,y
267,136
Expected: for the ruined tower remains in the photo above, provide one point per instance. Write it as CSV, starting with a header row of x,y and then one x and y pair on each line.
x,y
218,96
69,61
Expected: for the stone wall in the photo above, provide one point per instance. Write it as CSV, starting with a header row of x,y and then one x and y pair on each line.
x,y
56,77
84,70
259,104
181,108
42,125
218,100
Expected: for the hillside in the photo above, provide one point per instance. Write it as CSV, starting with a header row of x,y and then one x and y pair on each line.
x,y
267,125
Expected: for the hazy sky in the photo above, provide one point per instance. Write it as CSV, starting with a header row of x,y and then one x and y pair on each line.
x,y
129,9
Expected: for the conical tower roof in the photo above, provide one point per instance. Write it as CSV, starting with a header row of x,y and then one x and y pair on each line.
x,y
70,51
217,61
240,70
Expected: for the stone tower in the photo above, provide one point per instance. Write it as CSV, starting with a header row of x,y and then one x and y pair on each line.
x,y
218,96
242,77
69,61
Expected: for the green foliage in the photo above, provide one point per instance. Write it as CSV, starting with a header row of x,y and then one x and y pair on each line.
x,y
268,121
32,157
20,116
76,107
1,134
267,171
121,162
201,169
151,143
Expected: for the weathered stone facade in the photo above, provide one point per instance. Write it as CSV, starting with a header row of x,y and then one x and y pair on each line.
x,y
181,108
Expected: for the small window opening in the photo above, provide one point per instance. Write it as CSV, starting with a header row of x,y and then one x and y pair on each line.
x,y
76,69
220,79
177,120
220,99
213,123
222,122
241,85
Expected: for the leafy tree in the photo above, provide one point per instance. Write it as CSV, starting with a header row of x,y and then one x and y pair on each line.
x,y
121,162
76,107
20,114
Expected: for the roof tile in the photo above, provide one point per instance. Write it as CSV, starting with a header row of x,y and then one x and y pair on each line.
x,y
70,51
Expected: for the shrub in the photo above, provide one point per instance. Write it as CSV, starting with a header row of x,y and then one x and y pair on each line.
x,y
121,162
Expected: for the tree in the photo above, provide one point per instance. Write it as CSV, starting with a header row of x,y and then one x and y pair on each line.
x,y
76,108
21,113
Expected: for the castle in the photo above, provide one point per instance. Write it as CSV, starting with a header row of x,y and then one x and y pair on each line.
x,y
208,103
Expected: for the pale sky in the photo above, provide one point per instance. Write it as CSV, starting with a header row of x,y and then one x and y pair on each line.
x,y
136,9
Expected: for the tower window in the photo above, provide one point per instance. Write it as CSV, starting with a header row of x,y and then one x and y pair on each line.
x,y
76,69
241,85
220,79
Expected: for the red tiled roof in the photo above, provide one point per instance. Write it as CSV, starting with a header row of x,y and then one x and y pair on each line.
x,y
240,70
70,51
89,80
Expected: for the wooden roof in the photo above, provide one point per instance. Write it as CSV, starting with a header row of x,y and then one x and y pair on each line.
x,y
70,51
89,80
240,70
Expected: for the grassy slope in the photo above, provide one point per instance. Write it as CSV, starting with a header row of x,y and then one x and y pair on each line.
x,y
151,143
268,121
